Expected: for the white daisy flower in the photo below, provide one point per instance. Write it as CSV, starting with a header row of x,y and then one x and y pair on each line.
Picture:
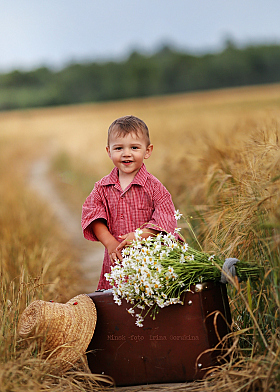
x,y
138,233
184,247
178,215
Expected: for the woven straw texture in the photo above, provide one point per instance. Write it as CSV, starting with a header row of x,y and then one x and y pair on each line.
x,y
63,331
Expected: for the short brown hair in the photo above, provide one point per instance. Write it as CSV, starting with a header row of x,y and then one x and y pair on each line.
x,y
129,124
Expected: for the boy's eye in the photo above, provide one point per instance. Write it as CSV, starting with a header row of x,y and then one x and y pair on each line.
x,y
118,148
134,148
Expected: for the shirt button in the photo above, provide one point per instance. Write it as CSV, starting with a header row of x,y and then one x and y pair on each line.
x,y
122,217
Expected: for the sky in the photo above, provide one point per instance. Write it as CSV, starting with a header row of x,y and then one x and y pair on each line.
x,y
54,33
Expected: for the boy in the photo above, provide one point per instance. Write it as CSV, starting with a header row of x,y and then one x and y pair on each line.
x,y
129,197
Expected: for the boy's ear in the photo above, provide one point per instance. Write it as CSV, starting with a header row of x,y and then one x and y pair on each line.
x,y
149,151
108,151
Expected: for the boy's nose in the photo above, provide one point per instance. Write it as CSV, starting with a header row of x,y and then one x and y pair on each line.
x,y
126,152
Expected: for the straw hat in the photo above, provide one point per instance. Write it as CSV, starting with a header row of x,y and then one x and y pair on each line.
x,y
64,331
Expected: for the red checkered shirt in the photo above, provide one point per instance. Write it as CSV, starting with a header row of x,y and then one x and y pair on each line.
x,y
145,203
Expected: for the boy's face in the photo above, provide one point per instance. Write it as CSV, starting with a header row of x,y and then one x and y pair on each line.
x,y
128,152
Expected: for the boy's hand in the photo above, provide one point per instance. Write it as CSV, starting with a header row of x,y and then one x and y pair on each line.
x,y
114,253
129,237
126,240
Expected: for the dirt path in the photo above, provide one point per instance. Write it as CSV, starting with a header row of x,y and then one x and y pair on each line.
x,y
91,254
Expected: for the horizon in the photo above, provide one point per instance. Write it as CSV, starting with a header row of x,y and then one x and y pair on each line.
x,y
196,53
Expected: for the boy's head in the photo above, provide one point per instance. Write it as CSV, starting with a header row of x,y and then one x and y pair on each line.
x,y
128,124
128,145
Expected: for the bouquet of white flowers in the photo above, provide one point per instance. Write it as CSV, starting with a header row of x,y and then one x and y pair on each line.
x,y
155,271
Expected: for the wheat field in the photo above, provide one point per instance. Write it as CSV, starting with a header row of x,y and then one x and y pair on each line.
x,y
218,154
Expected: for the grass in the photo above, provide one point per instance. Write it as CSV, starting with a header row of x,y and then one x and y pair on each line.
x,y
218,154
35,264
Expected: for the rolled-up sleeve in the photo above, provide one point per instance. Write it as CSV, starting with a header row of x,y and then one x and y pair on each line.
x,y
93,208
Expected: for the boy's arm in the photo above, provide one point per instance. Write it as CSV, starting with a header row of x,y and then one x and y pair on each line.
x,y
103,235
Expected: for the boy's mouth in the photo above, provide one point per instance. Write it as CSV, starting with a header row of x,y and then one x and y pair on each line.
x,y
126,161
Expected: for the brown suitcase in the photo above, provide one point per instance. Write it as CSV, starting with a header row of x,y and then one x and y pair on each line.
x,y
165,350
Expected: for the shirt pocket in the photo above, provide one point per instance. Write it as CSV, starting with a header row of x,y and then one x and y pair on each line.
x,y
142,211
139,216
145,202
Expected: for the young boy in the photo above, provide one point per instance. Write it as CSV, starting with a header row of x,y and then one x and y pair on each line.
x,y
129,197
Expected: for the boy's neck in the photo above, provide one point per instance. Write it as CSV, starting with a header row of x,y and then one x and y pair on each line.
x,y
126,179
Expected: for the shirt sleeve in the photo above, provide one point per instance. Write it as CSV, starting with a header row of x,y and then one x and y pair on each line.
x,y
93,208
163,217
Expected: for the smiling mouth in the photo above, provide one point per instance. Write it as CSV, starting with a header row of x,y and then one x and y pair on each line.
x,y
126,161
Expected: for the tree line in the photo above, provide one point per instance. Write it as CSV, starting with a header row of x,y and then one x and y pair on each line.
x,y
166,71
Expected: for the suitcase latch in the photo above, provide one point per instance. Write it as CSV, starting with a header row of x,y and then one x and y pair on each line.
x,y
200,287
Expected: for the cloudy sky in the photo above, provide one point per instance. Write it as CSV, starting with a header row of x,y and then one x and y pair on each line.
x,y
56,32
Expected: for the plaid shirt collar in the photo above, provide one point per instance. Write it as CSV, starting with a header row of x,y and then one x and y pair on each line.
x,y
113,177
